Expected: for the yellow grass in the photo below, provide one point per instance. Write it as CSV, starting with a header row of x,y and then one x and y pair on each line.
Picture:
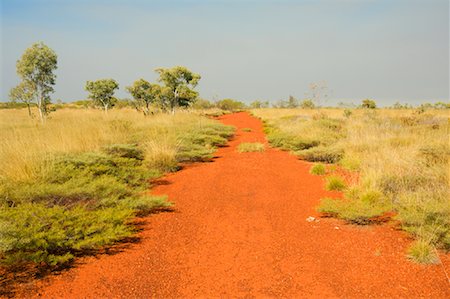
x,y
401,153
25,143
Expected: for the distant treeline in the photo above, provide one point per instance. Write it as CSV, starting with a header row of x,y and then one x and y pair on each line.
x,y
232,105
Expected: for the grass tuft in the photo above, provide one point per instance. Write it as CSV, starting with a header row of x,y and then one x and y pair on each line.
x,y
318,169
334,183
246,147
423,253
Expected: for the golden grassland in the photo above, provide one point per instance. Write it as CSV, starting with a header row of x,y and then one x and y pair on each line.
x,y
24,143
74,183
402,157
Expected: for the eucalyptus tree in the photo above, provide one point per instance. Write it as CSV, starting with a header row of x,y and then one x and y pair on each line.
x,y
145,94
24,92
36,69
179,83
101,92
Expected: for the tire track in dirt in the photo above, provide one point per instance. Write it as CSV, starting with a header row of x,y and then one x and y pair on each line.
x,y
239,230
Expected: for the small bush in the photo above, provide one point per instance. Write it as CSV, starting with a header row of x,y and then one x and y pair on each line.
x,y
36,233
321,154
422,252
130,151
347,113
357,207
318,169
246,129
334,183
350,163
250,147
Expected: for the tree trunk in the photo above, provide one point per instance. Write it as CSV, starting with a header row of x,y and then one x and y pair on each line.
x,y
40,104
147,110
106,109
29,109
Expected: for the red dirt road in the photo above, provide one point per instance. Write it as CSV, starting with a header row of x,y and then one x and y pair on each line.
x,y
239,229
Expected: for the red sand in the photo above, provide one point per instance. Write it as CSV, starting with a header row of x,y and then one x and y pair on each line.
x,y
239,230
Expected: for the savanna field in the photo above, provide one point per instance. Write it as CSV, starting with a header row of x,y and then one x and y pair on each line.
x,y
224,149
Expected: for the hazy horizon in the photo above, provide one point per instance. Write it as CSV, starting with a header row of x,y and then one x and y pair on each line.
x,y
387,50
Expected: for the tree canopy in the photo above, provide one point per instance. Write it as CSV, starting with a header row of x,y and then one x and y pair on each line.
x,y
36,69
102,92
145,94
179,83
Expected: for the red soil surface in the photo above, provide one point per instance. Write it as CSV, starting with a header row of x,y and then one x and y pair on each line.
x,y
239,229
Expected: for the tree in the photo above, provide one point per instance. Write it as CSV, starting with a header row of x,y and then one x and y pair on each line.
x,y
280,104
203,104
318,92
178,90
259,104
102,92
368,104
144,94
24,92
230,105
35,68
292,102
307,104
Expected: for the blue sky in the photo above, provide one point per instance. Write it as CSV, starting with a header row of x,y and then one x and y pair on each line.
x,y
388,50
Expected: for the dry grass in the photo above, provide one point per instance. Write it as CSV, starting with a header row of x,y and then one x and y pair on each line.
x,y
403,154
246,147
25,144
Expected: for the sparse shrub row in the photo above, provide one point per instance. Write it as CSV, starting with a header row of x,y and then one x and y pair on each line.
x,y
76,202
402,160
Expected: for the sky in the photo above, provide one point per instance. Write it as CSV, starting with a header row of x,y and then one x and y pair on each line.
x,y
387,50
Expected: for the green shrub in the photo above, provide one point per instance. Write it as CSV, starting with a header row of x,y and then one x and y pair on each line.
x,y
250,147
130,151
426,216
422,252
321,154
357,207
36,233
350,163
246,129
318,169
334,183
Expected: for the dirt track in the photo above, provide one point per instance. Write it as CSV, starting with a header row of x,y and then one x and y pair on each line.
x,y
239,229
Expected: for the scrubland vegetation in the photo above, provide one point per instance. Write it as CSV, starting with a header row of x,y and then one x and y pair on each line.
x,y
75,183
400,157
246,147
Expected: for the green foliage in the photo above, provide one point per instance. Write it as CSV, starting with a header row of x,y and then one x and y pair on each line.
x,y
246,129
292,102
290,142
83,201
321,154
24,92
259,104
335,183
250,147
358,207
307,104
178,90
37,233
144,94
230,105
318,169
203,104
102,92
368,104
423,252
426,216
36,69
130,151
